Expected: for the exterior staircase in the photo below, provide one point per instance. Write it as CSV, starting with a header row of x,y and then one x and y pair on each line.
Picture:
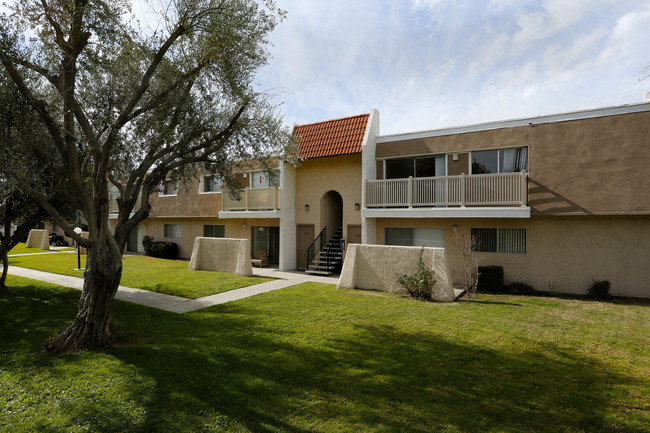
x,y
329,259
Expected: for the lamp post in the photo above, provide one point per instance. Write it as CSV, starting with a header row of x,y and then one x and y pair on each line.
x,y
78,231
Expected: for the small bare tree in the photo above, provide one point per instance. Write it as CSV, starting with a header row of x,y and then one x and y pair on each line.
x,y
468,268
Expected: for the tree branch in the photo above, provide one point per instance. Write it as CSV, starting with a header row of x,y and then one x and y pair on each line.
x,y
56,216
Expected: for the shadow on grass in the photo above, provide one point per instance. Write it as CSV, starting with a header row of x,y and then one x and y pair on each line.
x,y
230,368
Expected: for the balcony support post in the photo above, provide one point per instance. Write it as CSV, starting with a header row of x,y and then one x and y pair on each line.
x,y
409,192
364,192
462,190
524,188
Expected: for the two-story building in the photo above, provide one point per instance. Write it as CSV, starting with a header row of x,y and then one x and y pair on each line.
x,y
558,201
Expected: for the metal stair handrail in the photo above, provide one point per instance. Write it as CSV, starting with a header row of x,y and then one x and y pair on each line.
x,y
320,240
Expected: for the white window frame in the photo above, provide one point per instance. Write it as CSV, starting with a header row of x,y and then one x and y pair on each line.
x,y
162,189
202,184
497,150
169,231
252,174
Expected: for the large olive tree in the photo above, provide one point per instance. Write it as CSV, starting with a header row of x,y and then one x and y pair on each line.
x,y
129,105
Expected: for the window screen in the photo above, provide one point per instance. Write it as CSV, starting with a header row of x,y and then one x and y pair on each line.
x,y
508,241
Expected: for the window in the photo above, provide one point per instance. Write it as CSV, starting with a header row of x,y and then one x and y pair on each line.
x,y
266,238
500,160
507,241
425,166
261,179
173,231
210,184
169,188
214,231
415,237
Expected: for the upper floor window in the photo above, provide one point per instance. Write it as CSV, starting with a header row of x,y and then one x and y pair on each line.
x,y
210,184
169,188
261,179
500,160
424,166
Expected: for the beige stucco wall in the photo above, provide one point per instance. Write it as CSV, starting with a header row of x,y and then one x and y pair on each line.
x,y
578,167
187,203
376,267
564,254
221,255
315,177
38,239
193,227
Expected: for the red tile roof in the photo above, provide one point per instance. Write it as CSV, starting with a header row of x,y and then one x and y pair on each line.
x,y
332,137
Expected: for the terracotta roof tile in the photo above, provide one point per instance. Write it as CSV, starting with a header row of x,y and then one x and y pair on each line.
x,y
332,137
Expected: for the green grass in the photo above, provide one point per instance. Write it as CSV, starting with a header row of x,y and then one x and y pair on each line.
x,y
20,249
141,272
316,359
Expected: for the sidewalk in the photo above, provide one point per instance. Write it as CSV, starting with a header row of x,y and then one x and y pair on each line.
x,y
177,304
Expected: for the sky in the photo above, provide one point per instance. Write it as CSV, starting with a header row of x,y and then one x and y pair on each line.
x,y
429,64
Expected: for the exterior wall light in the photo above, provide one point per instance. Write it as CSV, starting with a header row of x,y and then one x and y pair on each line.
x,y
454,228
357,206
306,208
244,226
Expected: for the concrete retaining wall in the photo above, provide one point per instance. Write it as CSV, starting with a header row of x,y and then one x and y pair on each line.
x,y
38,239
375,267
221,255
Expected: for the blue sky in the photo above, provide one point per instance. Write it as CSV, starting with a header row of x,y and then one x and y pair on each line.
x,y
427,64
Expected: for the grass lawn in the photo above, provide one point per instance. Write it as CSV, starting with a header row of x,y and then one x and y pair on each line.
x,y
316,359
142,272
20,249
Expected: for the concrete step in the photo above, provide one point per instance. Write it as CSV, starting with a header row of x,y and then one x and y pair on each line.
x,y
317,272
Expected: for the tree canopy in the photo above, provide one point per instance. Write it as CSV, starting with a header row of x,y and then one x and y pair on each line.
x,y
130,104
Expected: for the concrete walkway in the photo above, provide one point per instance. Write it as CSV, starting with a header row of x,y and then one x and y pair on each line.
x,y
177,304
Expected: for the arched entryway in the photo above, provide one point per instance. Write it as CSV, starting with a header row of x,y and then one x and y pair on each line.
x,y
331,212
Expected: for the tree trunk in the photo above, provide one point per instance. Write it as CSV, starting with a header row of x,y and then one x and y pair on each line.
x,y
92,326
5,269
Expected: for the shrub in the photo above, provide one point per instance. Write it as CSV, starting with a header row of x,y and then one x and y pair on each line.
x,y
490,278
164,250
519,288
420,284
57,241
600,290
146,243
468,267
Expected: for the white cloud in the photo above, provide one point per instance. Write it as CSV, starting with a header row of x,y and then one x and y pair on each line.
x,y
430,64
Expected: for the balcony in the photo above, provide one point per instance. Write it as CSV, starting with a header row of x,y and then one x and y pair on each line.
x,y
502,194
253,203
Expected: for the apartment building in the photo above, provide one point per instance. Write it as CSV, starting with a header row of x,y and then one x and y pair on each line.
x,y
558,201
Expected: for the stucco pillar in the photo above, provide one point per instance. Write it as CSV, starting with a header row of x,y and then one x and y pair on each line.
x,y
368,231
287,217
369,171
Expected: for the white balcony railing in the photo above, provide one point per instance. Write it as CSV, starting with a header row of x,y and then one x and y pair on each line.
x,y
502,189
253,199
